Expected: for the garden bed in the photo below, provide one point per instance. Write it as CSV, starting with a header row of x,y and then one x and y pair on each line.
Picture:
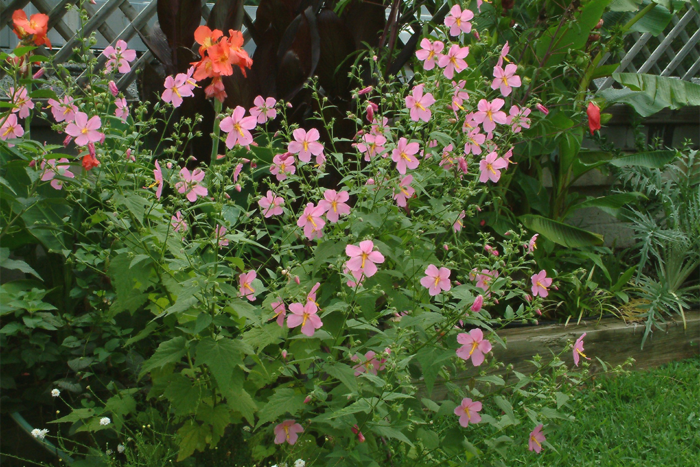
x,y
609,339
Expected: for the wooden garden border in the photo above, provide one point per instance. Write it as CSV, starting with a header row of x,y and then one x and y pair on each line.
x,y
610,339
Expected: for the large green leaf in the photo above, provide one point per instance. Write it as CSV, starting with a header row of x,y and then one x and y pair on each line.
x,y
285,400
560,233
611,204
649,94
651,159
170,351
625,5
221,356
653,22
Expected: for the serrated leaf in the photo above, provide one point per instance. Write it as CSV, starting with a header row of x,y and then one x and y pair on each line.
x,y
344,373
193,436
170,351
184,395
283,401
222,356
389,432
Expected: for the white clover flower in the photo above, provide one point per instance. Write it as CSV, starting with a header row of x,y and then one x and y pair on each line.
x,y
121,448
109,452
299,463
41,434
55,393
104,421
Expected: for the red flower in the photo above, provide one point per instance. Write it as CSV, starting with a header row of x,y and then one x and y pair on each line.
x,y
36,27
89,162
593,112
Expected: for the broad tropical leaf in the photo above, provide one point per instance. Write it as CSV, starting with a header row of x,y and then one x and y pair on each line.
x,y
561,233
649,94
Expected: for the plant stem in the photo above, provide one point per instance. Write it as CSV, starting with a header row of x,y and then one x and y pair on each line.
x,y
217,130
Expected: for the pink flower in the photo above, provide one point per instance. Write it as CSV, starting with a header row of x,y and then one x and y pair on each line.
x,y
406,191
540,282
436,280
63,109
280,311
418,104
371,109
483,280
21,101
11,129
158,175
404,155
429,53
360,437
490,113
311,296
363,259
459,96
271,204
122,110
478,303
503,55
237,172
287,431
578,349
334,205
119,57
282,164
245,288
370,365
532,244
457,226
364,91
83,130
176,88
536,439
373,145
490,168
190,184
542,109
311,221
467,412
52,167
219,233
237,126
517,118
264,109
380,126
490,249
453,60
469,122
178,222
304,315
459,21
305,144
474,346
506,80
113,88
474,141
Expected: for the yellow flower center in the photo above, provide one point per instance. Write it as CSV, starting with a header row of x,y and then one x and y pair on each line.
x,y
311,219
474,346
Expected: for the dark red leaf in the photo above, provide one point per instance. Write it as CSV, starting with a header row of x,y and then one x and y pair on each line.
x,y
298,54
157,43
365,21
178,19
226,14
337,54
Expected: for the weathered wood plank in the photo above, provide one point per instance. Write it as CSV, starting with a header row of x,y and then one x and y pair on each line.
x,y
611,340
6,12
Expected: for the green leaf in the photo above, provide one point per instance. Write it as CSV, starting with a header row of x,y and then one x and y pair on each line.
x,y
134,203
192,436
651,160
389,432
184,395
284,401
561,233
653,22
13,264
219,417
344,373
649,94
221,356
43,94
611,204
430,359
625,5
268,334
429,438
170,351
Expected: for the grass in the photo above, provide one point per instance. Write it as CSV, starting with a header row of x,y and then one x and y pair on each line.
x,y
644,418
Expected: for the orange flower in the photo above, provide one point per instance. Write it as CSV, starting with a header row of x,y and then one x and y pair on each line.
x,y
206,38
203,69
238,56
219,55
36,26
216,89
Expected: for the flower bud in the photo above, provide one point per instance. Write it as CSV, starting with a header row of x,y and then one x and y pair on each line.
x,y
67,141
289,105
238,187
478,303
539,313
284,354
307,399
447,248
364,91
38,74
296,279
32,163
542,109
113,88
169,165
370,181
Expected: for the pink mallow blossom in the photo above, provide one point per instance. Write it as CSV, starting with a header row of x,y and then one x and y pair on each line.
x,y
53,167
436,280
506,79
483,279
176,88
219,233
540,282
264,109
280,311
517,118
305,316
578,349
63,109
459,21
475,139
238,128
468,412
306,144
371,146
158,176
536,439
311,221
271,204
532,244
457,226
370,364
122,110
474,346
119,57
405,155
11,129
288,431
504,54
419,103
83,130
490,113
429,53
490,167
190,184
21,101
453,60
405,192
363,259
178,222
334,205
245,288
283,164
